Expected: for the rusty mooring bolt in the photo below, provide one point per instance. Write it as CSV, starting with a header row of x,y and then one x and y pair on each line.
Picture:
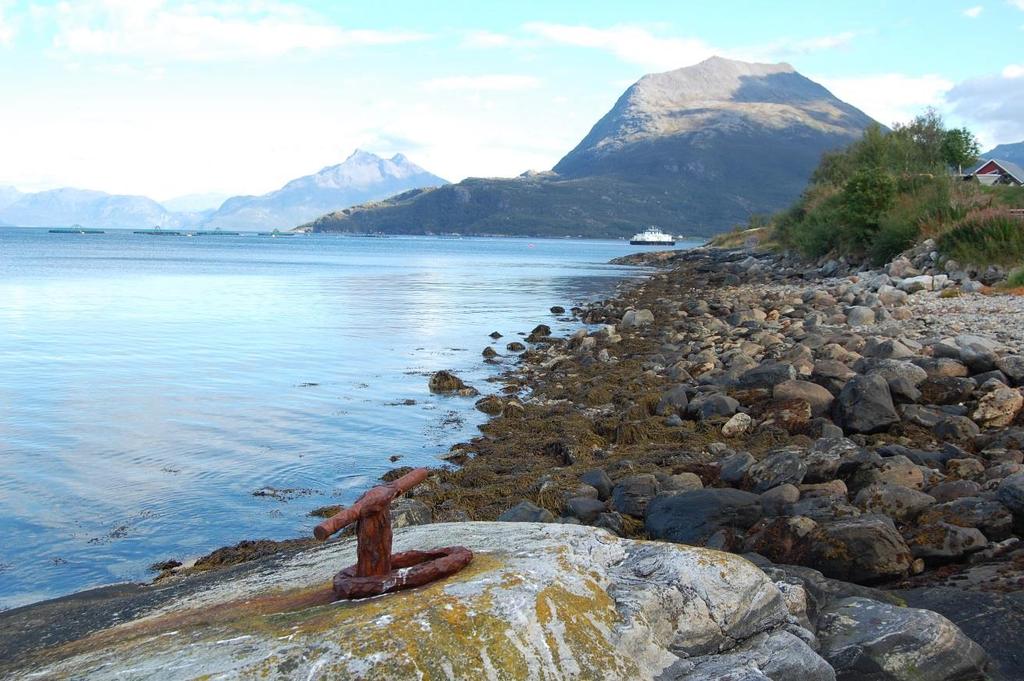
x,y
378,571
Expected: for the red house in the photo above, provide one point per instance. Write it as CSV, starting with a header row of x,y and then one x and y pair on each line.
x,y
994,171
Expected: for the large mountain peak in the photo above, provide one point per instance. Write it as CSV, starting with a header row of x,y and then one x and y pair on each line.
x,y
716,96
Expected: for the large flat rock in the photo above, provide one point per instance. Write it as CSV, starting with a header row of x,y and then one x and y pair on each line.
x,y
539,601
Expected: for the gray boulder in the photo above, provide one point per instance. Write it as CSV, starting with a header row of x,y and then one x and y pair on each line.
x,y
825,456
859,315
865,639
779,467
956,428
709,406
865,405
692,517
673,401
631,495
1010,494
585,509
733,468
526,512
863,549
768,375
1013,367
815,395
896,501
943,541
776,656
637,318
600,481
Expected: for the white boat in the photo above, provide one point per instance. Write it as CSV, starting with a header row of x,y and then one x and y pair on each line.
x,y
652,236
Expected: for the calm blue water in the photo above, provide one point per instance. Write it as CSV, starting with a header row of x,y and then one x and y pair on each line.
x,y
150,385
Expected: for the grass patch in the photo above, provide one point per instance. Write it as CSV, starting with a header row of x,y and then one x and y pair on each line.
x,y
986,237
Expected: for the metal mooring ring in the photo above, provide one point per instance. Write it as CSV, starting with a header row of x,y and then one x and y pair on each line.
x,y
409,570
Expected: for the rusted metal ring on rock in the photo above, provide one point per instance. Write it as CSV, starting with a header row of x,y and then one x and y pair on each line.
x,y
409,570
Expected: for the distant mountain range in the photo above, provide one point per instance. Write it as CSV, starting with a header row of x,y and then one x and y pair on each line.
x,y
692,151
63,207
360,178
1007,152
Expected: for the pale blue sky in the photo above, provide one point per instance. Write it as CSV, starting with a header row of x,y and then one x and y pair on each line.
x,y
167,98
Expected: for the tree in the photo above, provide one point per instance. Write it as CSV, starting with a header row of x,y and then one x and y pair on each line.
x,y
865,197
960,148
927,133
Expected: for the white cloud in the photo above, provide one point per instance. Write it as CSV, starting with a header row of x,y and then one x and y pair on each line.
x,y
994,105
637,45
890,97
974,12
487,39
631,44
1019,4
201,31
494,82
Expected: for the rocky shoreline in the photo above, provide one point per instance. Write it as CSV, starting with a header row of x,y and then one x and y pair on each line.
x,y
857,434
866,424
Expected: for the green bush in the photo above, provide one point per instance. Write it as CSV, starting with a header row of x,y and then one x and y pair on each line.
x,y
1016,278
887,191
986,237
865,198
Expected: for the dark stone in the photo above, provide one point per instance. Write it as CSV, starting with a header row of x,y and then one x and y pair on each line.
x,y
768,375
956,428
977,357
948,490
585,508
526,512
825,456
612,522
779,467
862,549
865,405
540,332
903,391
600,481
734,467
993,519
709,406
946,389
631,495
673,402
692,517
995,621
1013,367
941,367
867,640
943,541
1011,494
989,375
